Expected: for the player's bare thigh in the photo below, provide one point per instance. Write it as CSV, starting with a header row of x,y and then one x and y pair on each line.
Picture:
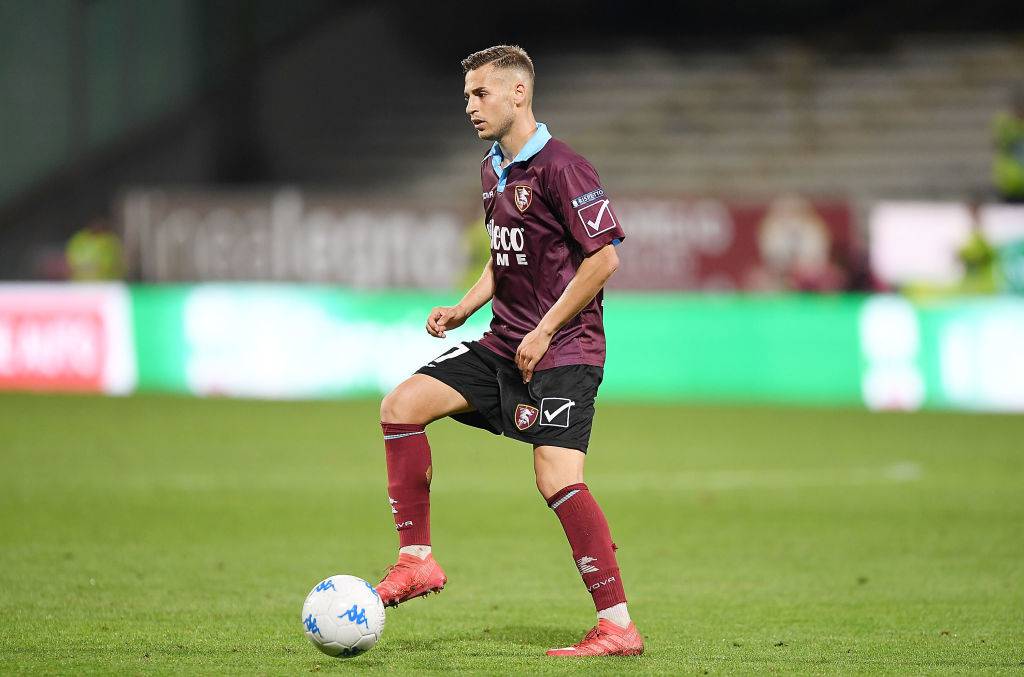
x,y
557,468
421,399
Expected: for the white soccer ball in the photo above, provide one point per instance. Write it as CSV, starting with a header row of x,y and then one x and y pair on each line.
x,y
343,616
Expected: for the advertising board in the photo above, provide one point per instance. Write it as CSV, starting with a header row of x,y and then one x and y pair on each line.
x,y
66,337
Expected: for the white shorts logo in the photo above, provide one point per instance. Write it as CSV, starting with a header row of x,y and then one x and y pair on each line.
x,y
554,411
597,217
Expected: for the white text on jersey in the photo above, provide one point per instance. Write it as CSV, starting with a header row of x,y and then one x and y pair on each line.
x,y
505,240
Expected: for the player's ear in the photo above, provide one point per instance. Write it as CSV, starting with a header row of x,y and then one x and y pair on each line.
x,y
520,92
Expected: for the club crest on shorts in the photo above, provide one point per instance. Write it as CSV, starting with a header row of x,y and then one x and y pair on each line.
x,y
525,416
523,196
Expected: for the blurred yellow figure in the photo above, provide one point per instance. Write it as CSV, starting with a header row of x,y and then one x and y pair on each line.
x,y
94,253
478,252
981,270
1008,166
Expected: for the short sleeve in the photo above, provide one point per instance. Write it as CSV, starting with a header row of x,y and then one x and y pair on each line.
x,y
585,208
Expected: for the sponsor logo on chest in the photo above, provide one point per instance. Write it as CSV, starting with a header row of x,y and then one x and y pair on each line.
x,y
507,241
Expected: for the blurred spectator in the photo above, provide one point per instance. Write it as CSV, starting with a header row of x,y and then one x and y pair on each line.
x,y
94,254
478,251
1008,166
980,266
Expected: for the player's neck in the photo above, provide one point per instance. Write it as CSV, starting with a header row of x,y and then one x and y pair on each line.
x,y
521,131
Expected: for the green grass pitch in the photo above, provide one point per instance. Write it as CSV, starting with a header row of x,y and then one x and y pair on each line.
x,y
166,535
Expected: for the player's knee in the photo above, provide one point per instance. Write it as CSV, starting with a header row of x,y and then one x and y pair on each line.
x,y
398,406
556,469
391,407
549,483
544,487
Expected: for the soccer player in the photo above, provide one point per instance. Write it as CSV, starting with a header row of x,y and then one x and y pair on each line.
x,y
534,376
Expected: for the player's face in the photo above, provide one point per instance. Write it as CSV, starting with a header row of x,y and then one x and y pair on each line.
x,y
490,101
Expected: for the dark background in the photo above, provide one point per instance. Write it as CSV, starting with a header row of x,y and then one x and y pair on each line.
x,y
103,94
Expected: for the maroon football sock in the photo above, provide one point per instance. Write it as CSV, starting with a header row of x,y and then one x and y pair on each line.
x,y
409,470
591,542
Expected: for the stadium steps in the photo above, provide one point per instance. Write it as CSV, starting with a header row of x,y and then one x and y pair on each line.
x,y
913,121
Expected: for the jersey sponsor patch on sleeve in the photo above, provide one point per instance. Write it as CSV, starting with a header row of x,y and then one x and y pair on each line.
x,y
597,218
586,198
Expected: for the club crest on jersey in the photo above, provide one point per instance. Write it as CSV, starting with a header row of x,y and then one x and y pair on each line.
x,y
525,416
523,197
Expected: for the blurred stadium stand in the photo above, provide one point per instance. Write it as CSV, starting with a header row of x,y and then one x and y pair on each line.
x,y
785,146
361,98
99,94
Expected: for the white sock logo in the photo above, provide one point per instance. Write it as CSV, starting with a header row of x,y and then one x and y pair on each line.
x,y
585,566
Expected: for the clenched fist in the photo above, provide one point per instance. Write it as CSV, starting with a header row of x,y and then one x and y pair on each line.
x,y
530,352
443,318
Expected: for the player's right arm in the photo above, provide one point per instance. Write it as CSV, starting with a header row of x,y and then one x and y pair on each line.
x,y
443,318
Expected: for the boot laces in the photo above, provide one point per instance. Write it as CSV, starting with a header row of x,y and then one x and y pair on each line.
x,y
594,633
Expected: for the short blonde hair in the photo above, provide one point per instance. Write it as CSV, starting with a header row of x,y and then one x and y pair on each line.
x,y
502,56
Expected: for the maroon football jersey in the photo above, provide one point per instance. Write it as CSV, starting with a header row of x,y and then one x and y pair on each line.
x,y
545,212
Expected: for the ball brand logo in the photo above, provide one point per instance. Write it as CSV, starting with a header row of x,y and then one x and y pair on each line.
x,y
357,616
525,416
523,197
311,625
325,585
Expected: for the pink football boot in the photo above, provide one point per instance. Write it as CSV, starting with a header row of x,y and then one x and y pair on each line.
x,y
606,639
409,578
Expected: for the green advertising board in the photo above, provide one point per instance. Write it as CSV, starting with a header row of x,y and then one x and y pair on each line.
x,y
729,348
287,341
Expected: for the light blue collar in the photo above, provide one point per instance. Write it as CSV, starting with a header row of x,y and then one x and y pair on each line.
x,y
532,146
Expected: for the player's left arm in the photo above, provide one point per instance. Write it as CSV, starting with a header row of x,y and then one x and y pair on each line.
x,y
590,278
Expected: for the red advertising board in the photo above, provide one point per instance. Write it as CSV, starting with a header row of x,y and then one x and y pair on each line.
x,y
64,338
785,244
673,243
